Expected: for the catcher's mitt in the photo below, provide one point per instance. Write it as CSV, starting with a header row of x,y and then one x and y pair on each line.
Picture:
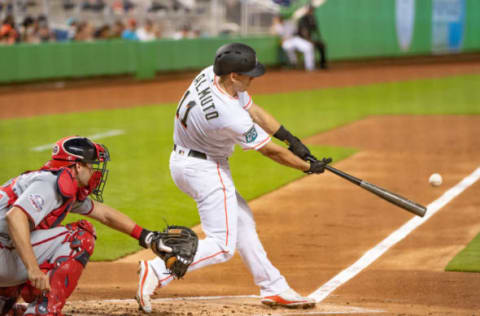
x,y
184,243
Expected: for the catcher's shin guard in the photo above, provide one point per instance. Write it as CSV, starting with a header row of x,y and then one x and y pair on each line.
x,y
65,271
63,280
8,298
17,310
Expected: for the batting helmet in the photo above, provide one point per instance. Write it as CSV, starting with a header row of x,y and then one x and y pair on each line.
x,y
70,150
238,58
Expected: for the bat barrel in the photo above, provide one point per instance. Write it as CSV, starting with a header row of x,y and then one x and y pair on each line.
x,y
393,198
396,199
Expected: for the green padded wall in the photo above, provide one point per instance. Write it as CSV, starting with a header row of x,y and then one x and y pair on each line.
x,y
351,29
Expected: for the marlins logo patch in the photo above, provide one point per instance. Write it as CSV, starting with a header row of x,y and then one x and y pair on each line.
x,y
251,135
37,201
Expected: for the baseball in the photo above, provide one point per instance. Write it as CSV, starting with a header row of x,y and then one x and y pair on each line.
x,y
435,179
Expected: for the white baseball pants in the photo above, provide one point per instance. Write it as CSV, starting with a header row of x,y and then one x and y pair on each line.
x,y
226,220
296,43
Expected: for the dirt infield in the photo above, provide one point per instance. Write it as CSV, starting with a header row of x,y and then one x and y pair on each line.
x,y
313,239
345,222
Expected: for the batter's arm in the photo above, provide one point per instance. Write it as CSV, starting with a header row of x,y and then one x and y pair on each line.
x,y
273,127
284,156
264,119
19,228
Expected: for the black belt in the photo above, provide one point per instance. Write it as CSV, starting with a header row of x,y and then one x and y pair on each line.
x,y
193,153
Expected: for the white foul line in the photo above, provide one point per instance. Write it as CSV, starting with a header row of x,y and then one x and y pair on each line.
x,y
113,132
373,254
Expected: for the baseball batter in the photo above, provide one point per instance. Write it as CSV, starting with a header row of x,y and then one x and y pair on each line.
x,y
40,260
215,113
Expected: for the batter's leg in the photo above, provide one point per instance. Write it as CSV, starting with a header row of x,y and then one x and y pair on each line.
x,y
273,287
250,248
214,192
210,185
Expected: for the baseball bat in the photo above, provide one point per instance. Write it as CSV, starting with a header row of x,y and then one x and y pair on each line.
x,y
391,197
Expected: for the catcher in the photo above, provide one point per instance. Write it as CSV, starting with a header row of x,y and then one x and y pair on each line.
x,y
41,260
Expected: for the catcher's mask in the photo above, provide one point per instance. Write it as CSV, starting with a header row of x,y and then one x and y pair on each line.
x,y
70,150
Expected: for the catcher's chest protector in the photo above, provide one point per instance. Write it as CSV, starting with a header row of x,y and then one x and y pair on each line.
x,y
67,187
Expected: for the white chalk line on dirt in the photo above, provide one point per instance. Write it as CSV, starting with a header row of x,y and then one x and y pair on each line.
x,y
113,132
373,254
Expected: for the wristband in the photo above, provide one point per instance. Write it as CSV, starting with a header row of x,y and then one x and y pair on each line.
x,y
145,236
285,136
282,134
136,232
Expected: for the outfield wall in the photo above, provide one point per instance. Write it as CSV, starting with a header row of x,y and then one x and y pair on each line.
x,y
376,28
351,29
27,62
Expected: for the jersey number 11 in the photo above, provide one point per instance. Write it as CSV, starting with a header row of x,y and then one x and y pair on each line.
x,y
190,105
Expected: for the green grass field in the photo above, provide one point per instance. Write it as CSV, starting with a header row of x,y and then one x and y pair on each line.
x,y
139,182
467,260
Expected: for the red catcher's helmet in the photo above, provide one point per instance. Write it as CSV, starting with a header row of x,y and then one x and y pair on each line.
x,y
70,150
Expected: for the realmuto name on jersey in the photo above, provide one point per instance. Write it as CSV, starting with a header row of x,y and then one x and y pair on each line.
x,y
205,96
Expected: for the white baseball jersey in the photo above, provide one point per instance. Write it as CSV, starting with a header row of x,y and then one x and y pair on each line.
x,y
211,121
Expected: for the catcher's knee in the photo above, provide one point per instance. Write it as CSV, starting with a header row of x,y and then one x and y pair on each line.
x,y
82,239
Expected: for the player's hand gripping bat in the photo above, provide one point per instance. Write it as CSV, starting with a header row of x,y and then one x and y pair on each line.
x,y
391,197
